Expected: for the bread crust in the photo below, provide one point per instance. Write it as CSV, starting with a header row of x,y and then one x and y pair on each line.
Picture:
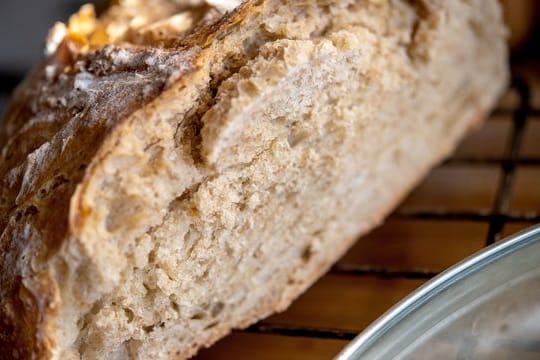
x,y
48,139
29,295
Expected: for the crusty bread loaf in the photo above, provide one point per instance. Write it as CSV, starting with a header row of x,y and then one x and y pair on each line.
x,y
173,171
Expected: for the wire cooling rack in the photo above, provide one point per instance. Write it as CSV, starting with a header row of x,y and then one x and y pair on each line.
x,y
518,118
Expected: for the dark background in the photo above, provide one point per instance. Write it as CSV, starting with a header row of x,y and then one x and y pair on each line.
x,y
24,24
23,27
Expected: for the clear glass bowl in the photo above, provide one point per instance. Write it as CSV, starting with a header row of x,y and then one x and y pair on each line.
x,y
486,307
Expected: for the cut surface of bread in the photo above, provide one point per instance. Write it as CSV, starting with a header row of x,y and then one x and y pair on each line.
x,y
177,169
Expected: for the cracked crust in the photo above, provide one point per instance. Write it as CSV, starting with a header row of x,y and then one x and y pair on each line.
x,y
58,116
113,133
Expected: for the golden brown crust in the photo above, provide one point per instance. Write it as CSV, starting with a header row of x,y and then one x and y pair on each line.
x,y
51,132
195,42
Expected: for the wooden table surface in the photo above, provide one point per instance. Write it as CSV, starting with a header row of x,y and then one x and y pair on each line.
x,y
346,301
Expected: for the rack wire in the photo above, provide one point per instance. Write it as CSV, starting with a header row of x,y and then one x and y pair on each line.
x,y
496,218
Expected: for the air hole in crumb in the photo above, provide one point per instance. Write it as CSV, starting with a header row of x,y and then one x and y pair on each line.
x,y
151,257
129,314
217,308
245,182
198,316
211,325
148,329
307,253
242,206
175,306
147,288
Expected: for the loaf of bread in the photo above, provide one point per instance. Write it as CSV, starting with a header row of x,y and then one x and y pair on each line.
x,y
177,169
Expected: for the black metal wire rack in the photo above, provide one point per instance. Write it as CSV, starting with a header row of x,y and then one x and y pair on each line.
x,y
496,218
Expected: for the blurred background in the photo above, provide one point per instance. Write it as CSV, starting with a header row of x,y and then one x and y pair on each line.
x,y
24,25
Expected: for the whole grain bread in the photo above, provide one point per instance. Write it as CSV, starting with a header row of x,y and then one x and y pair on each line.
x,y
178,169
